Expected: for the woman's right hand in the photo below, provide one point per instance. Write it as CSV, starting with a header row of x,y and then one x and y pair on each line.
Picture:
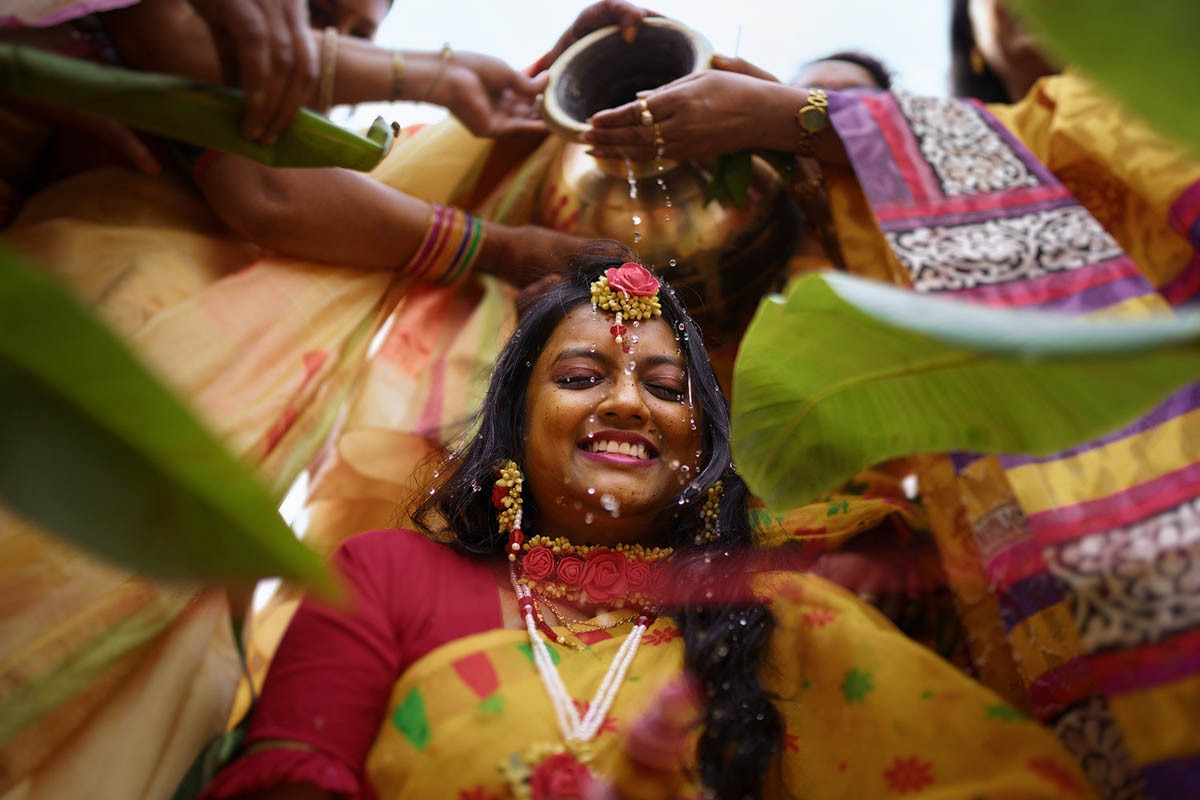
x,y
700,116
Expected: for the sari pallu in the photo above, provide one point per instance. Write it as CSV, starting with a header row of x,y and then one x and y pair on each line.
x,y
1079,573
856,699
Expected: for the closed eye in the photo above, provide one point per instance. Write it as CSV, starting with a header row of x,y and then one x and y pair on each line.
x,y
578,381
666,392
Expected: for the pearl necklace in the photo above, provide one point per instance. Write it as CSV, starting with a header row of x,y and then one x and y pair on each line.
x,y
576,731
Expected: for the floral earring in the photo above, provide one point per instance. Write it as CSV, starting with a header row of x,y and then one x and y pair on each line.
x,y
709,513
506,497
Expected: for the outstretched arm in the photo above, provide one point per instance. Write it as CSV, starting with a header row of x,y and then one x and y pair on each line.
x,y
349,219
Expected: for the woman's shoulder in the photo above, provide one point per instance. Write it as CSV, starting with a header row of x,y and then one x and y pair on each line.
x,y
388,555
425,589
399,545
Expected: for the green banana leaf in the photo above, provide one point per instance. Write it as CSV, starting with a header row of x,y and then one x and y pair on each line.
x,y
1144,53
844,372
183,110
96,451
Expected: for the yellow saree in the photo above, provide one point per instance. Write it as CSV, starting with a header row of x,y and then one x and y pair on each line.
x,y
868,713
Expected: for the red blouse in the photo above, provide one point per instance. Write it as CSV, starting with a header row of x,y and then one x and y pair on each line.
x,y
330,679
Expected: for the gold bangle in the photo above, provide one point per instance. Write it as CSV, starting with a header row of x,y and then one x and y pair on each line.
x,y
329,46
447,53
811,119
398,70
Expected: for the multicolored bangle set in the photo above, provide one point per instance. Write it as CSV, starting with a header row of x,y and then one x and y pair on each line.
x,y
452,243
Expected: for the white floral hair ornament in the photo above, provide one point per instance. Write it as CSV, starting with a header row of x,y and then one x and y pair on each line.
x,y
630,292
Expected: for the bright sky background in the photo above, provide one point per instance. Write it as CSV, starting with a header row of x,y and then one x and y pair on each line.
x,y
909,35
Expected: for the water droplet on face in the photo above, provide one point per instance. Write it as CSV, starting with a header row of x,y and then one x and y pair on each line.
x,y
633,339
674,464
610,504
637,323
591,490
437,474
672,263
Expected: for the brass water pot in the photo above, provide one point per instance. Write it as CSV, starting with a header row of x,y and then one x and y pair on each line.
x,y
721,258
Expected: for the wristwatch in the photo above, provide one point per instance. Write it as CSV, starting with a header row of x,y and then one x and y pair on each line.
x,y
811,119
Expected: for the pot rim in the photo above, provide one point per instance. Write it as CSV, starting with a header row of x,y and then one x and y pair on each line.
x,y
571,129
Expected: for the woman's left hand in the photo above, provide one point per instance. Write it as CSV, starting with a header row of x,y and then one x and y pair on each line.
x,y
699,116
488,96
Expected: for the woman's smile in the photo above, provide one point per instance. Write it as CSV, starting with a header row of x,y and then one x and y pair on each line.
x,y
619,447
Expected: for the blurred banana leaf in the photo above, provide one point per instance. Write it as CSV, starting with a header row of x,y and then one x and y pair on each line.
x,y
183,110
843,373
1144,53
96,451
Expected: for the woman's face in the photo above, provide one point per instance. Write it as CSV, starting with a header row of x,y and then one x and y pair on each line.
x,y
835,74
610,439
1009,48
360,18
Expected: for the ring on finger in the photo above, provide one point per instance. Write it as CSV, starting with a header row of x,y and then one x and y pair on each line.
x,y
646,117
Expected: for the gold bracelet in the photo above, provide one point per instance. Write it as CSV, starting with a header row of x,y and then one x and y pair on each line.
x,y
398,70
447,53
811,119
329,47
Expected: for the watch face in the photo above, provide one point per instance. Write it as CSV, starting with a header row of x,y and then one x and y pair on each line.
x,y
813,119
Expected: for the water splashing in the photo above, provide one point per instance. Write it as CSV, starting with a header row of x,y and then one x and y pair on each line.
x,y
610,504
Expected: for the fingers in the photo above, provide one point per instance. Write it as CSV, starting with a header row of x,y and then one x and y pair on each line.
x,y
728,64
277,59
249,34
514,126
302,75
630,114
530,86
626,16
629,18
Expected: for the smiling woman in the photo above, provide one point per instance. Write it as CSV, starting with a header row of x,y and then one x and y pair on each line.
x,y
598,550
616,436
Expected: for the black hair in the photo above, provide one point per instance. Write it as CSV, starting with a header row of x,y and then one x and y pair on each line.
x,y
879,71
724,644
964,81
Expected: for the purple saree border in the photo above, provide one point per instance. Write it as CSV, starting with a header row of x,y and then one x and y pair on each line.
x,y
865,144
1178,404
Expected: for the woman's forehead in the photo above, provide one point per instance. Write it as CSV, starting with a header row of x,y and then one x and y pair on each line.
x,y
588,327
